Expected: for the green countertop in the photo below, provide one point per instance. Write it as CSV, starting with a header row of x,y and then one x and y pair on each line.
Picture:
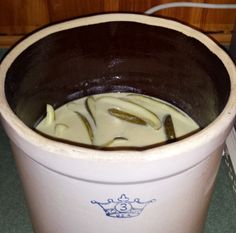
x,y
14,217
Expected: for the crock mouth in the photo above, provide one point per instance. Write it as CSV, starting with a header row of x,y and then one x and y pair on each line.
x,y
209,133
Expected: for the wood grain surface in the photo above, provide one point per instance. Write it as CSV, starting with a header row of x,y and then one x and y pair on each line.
x,y
20,17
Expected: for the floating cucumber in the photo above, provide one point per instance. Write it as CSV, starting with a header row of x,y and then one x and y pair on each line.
x,y
90,105
169,128
87,125
116,139
143,100
149,117
126,116
50,117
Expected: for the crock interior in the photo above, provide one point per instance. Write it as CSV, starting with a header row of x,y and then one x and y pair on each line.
x,y
117,56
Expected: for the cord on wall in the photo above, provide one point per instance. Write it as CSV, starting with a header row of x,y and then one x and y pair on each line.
x,y
189,4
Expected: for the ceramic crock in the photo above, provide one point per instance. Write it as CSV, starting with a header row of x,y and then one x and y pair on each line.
x,y
80,189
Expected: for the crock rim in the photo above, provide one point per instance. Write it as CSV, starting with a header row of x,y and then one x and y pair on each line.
x,y
216,127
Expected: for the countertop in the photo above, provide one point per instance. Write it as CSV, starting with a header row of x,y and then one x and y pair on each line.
x,y
14,217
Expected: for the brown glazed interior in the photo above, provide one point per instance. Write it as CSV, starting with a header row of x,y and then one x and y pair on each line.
x,y
117,56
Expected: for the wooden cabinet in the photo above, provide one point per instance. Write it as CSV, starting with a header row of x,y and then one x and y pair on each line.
x,y
20,17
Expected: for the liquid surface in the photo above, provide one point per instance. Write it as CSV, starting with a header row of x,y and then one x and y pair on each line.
x,y
117,120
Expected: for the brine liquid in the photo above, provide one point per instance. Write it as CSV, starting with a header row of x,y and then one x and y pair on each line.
x,y
116,119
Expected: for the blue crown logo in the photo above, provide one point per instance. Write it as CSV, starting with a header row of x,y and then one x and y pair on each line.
x,y
123,207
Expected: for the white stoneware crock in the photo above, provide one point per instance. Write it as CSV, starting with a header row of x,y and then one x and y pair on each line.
x,y
80,189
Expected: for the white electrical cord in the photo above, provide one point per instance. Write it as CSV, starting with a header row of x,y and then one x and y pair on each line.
x,y
189,4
